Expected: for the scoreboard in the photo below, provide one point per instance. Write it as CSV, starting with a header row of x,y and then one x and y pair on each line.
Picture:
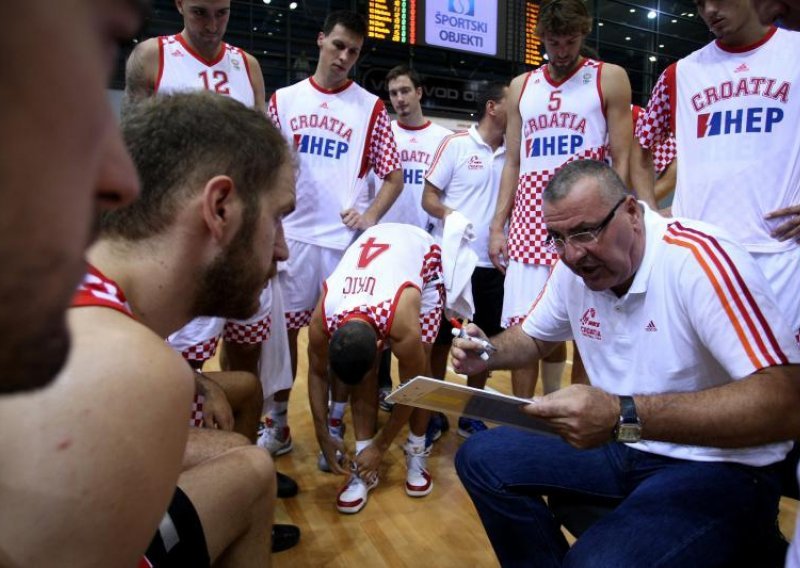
x,y
496,28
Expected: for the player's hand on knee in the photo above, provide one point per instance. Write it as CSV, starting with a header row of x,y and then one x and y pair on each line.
x,y
584,416
217,411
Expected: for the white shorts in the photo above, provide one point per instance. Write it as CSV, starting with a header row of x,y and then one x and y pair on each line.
x,y
523,284
782,270
198,339
301,279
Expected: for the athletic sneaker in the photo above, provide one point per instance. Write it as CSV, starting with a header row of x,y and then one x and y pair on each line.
x,y
418,479
353,496
469,426
335,429
438,425
276,440
382,402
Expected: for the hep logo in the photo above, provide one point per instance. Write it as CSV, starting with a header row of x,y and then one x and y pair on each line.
x,y
738,121
462,7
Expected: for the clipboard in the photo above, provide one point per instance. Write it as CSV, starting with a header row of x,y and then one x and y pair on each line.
x,y
441,396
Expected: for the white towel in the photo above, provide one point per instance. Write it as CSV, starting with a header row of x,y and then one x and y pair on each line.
x,y
275,368
458,264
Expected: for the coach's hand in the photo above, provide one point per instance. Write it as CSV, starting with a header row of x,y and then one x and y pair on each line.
x,y
790,228
498,249
582,415
466,354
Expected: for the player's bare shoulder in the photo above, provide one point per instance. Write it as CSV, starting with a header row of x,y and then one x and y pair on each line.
x,y
141,70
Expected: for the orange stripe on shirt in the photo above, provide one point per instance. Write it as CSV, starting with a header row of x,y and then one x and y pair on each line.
x,y
441,148
721,295
725,268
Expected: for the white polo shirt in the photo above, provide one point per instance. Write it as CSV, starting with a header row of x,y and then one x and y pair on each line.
x,y
698,314
467,171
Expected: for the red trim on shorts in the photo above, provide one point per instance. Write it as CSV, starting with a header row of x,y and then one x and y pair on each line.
x,y
207,62
741,49
329,91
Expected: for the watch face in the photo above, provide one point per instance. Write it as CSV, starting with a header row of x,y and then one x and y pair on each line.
x,y
628,433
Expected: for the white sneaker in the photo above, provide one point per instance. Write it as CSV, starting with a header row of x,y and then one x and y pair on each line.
x,y
353,496
275,439
335,429
418,480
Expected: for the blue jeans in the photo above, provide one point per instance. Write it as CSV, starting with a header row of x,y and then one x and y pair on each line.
x,y
673,512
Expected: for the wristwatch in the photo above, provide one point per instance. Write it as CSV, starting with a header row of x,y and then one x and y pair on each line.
x,y
629,428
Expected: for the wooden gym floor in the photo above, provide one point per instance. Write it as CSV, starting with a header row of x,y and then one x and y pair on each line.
x,y
393,530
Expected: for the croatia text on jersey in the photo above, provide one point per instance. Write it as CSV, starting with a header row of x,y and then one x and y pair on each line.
x,y
321,145
553,144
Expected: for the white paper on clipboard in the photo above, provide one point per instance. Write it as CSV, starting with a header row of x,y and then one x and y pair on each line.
x,y
441,396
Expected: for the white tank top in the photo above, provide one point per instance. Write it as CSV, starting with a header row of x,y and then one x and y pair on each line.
x,y
737,125
561,122
337,136
375,269
181,68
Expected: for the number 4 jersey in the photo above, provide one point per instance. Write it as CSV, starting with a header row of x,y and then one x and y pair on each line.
x,y
385,260
181,68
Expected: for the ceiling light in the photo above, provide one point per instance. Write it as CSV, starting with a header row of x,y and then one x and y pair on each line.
x,y
674,21
293,5
661,45
545,56
601,24
632,10
690,15
627,38
651,15
652,58
267,2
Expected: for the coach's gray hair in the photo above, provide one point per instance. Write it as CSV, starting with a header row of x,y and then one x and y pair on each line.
x,y
612,188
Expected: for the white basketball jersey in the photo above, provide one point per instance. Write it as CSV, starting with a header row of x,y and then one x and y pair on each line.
x,y
337,136
737,119
561,121
375,269
183,69
416,145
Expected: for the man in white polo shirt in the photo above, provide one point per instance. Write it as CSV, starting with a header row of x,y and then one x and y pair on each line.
x,y
465,177
694,387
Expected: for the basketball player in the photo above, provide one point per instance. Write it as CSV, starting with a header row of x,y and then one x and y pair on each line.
x,y
202,240
562,111
339,132
386,289
784,12
735,121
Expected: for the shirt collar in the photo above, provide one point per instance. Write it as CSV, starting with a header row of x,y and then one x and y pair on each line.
x,y
476,136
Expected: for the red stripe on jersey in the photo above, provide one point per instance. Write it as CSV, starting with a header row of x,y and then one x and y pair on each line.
x,y
600,89
160,74
524,84
97,290
249,76
207,62
672,94
376,110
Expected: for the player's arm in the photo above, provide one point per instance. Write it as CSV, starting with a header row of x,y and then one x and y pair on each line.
x,y
407,346
114,419
318,384
432,201
617,99
652,128
141,71
509,179
643,174
257,80
665,184
387,194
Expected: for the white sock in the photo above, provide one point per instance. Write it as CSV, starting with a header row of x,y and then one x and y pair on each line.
x,y
551,376
279,413
416,441
337,410
361,444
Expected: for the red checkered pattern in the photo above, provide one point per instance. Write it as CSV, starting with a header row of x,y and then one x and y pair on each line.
x,y
527,232
298,320
383,154
250,334
196,418
429,325
432,265
664,154
379,315
201,351
653,126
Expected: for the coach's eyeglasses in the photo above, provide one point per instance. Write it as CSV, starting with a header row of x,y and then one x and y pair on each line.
x,y
586,237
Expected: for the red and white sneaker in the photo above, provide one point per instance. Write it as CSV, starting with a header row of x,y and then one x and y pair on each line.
x,y
276,440
418,480
353,496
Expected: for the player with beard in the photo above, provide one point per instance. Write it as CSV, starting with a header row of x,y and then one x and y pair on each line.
x,y
565,110
202,240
